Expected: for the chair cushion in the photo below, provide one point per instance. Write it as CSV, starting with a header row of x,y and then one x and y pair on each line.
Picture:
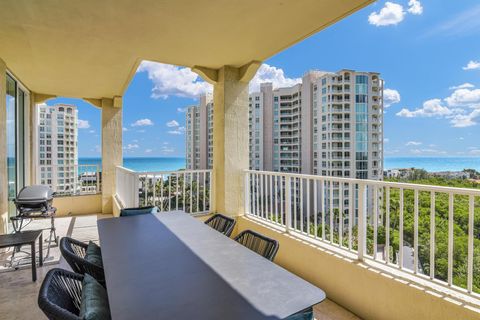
x,y
137,211
93,254
306,314
94,305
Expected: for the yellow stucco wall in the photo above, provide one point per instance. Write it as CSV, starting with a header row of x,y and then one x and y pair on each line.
x,y
86,204
368,293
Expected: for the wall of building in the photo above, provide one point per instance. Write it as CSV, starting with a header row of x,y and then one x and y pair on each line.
x,y
368,293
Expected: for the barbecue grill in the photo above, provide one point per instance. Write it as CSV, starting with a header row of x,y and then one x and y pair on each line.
x,y
35,202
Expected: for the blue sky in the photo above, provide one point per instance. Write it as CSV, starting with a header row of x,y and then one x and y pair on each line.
x,y
427,52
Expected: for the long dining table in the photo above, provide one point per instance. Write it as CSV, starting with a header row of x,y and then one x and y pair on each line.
x,y
173,266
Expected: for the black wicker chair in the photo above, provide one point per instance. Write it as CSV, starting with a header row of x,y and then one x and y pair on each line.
x,y
74,253
221,223
60,295
262,245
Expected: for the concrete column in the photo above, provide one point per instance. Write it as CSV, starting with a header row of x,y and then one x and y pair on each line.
x,y
230,141
230,134
111,148
3,150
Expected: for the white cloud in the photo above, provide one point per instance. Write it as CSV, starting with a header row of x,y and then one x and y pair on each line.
x,y
141,130
182,110
169,80
465,120
172,124
430,108
465,85
131,146
386,140
464,98
97,149
92,131
83,124
390,96
148,150
179,130
428,152
166,150
268,73
415,7
462,108
413,143
124,129
142,123
390,14
465,23
474,152
472,65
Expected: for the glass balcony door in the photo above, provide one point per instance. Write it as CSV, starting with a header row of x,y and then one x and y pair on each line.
x,y
16,100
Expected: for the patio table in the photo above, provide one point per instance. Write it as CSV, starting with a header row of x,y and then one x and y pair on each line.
x,y
29,237
172,266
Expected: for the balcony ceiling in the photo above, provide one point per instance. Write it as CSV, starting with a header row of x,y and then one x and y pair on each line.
x,y
91,48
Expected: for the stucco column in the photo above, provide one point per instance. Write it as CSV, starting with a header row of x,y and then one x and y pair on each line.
x,y
111,148
230,141
3,149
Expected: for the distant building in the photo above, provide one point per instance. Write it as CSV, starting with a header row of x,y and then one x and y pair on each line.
x,y
452,174
392,173
199,134
57,147
330,124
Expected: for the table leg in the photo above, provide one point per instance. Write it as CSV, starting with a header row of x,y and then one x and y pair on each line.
x,y
40,249
34,263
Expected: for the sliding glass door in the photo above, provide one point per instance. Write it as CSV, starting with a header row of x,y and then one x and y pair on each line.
x,y
16,99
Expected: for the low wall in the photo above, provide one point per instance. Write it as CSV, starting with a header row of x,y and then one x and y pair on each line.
x,y
84,204
365,291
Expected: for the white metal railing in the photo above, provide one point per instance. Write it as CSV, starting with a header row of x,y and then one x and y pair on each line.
x,y
435,225
187,190
71,180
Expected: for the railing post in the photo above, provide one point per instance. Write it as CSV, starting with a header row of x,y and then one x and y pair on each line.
x,y
247,192
362,222
97,176
288,203
135,191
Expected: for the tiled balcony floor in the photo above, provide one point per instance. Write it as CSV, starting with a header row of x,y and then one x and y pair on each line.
x,y
18,294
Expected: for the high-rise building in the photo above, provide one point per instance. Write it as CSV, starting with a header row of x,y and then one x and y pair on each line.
x,y
199,134
57,147
330,124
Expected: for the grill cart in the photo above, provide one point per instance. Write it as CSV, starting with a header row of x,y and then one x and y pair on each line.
x,y
35,202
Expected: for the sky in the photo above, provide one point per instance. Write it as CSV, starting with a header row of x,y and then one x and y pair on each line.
x,y
427,52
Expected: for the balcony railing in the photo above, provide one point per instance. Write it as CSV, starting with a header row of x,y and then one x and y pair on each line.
x,y
187,190
71,180
423,230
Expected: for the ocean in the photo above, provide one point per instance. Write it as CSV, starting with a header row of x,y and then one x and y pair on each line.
x,y
428,163
433,164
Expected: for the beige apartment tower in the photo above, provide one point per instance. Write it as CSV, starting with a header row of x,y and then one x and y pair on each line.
x,y
330,124
199,134
57,150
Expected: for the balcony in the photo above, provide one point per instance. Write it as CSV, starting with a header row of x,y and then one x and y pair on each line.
x,y
371,259
362,243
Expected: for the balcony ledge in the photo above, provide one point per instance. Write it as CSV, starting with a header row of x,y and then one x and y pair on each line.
x,y
368,288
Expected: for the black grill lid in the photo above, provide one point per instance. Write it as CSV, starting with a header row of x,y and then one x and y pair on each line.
x,y
34,194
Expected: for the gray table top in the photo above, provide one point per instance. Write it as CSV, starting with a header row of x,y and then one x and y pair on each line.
x,y
172,266
19,238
